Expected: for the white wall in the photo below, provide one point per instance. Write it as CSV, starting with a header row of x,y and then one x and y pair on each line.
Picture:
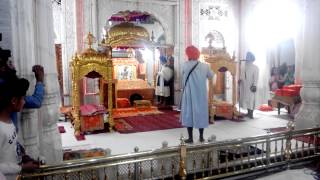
x,y
228,25
5,24
163,12
57,21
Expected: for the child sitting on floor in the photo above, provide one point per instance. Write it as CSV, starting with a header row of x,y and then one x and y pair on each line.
x,y
12,159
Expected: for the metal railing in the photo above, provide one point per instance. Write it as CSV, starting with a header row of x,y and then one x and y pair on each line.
x,y
209,160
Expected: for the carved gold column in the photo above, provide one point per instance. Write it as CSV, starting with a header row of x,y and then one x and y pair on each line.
x,y
234,90
110,94
83,64
183,157
75,94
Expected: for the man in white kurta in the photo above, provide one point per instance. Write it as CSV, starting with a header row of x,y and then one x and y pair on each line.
x,y
163,77
248,85
194,102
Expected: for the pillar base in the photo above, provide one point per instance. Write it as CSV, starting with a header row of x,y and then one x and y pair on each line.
x,y
309,113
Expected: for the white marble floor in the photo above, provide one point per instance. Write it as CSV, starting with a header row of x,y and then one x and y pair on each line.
x,y
125,143
296,174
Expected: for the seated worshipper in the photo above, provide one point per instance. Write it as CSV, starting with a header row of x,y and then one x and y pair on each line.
x,y
164,78
282,69
194,100
7,70
12,159
274,80
248,85
288,77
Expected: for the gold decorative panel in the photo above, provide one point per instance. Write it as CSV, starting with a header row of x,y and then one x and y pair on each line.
x,y
127,35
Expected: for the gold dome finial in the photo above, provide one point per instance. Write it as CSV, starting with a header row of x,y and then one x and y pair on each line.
x,y
90,39
127,35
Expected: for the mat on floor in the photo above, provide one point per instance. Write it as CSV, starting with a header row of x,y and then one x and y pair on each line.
x,y
143,123
232,154
80,154
306,139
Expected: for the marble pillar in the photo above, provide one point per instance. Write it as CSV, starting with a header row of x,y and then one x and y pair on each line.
x,y
309,113
5,28
33,43
179,47
68,44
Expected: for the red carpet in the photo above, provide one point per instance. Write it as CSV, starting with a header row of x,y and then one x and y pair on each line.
x,y
166,120
309,139
306,139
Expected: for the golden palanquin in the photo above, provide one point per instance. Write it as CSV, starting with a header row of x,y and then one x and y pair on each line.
x,y
90,61
222,62
127,85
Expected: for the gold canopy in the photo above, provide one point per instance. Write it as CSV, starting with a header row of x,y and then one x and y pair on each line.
x,y
90,61
127,35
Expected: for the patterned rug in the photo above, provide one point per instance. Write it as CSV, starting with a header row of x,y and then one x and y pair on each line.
x,y
143,123
128,112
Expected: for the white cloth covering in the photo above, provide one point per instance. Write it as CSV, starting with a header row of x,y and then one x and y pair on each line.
x,y
165,74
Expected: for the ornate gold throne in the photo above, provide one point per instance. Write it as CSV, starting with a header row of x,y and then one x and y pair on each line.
x,y
223,63
90,61
220,62
127,35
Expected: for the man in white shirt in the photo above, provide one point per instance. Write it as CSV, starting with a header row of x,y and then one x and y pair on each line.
x,y
248,85
12,93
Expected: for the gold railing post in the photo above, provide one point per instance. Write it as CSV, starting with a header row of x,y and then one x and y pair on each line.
x,y
19,177
288,150
183,155
316,141
110,95
268,148
136,173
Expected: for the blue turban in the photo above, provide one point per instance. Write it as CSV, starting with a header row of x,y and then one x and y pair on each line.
x,y
250,56
163,60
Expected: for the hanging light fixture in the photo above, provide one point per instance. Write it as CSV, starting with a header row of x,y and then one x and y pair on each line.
x,y
89,38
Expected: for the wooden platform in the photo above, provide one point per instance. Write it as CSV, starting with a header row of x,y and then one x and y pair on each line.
x,y
288,101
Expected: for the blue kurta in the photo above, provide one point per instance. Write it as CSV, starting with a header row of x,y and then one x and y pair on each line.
x,y
194,102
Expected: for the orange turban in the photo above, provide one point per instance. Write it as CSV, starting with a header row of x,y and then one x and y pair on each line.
x,y
192,52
